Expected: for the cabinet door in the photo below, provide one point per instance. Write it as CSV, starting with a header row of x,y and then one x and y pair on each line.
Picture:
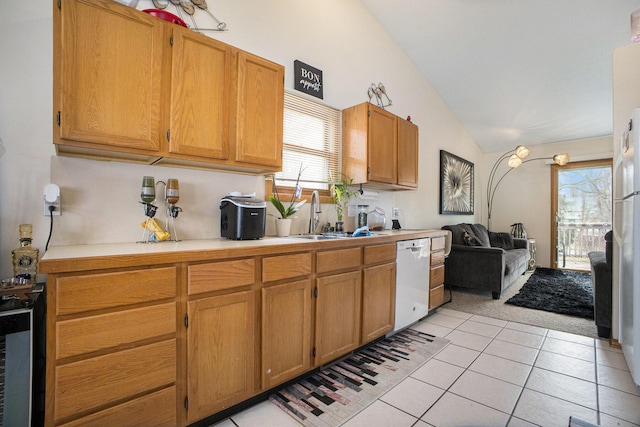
x,y
337,315
259,111
107,65
382,146
378,301
200,91
407,153
286,331
221,353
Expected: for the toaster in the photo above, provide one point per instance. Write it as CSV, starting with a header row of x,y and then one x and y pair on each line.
x,y
242,218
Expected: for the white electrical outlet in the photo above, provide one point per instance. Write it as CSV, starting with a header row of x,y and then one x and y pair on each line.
x,y
56,210
51,198
395,213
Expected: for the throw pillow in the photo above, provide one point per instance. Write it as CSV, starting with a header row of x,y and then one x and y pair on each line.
x,y
501,240
469,239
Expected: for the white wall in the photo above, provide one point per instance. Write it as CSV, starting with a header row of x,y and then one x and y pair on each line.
x,y
524,195
100,199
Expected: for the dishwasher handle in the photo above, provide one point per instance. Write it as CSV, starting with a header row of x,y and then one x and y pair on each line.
x,y
422,251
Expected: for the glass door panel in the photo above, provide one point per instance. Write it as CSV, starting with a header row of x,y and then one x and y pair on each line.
x,y
581,211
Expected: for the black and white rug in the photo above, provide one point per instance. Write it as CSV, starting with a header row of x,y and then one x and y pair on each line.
x,y
336,393
557,291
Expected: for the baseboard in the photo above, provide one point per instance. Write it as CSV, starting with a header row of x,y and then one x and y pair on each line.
x,y
615,343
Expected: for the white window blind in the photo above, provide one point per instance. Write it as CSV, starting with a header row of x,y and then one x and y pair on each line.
x,y
311,141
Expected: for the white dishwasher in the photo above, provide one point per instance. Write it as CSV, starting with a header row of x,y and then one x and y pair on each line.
x,y
412,281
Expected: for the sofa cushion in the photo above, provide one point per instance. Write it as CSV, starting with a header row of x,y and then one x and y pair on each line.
x,y
516,260
501,240
481,233
470,239
475,230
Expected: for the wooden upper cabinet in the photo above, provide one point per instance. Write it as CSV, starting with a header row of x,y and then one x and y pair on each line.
x,y
258,124
107,76
130,86
200,94
382,146
379,148
407,153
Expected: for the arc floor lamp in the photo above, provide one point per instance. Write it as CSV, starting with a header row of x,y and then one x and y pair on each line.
x,y
515,159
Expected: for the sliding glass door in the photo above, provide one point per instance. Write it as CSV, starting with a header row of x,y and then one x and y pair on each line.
x,y
581,209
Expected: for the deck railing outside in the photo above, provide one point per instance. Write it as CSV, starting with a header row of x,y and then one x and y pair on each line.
x,y
576,240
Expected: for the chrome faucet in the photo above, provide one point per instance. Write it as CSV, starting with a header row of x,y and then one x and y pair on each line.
x,y
314,218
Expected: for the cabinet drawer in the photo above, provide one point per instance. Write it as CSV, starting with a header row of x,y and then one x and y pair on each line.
x,y
75,294
154,410
436,297
437,243
379,253
79,336
99,381
338,259
437,258
436,277
286,266
216,276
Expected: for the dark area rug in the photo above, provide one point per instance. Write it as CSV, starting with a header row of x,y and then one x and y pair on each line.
x,y
557,291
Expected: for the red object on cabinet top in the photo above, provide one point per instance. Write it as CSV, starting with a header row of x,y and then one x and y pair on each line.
x,y
167,16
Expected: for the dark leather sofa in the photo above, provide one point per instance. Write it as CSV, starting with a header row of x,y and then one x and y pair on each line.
x,y
484,260
601,280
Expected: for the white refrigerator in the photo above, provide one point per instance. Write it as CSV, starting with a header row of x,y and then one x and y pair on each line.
x,y
627,231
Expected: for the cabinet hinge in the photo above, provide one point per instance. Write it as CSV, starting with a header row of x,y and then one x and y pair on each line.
x,y
60,4
186,321
313,352
186,403
171,39
168,134
368,113
58,118
315,292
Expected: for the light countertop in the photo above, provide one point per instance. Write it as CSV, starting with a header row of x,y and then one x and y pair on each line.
x,y
132,253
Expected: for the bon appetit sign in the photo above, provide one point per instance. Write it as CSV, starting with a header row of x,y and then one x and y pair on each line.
x,y
308,79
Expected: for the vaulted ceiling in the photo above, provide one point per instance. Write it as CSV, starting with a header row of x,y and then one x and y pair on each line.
x,y
515,71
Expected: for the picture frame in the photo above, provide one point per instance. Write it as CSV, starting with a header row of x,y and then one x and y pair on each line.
x,y
456,185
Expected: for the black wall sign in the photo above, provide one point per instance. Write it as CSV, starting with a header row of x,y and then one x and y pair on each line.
x,y
308,79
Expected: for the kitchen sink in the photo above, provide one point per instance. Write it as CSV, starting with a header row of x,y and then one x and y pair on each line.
x,y
328,236
320,236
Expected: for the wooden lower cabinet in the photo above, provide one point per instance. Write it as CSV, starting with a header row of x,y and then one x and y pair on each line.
x,y
436,274
337,315
113,378
221,352
112,348
173,344
378,300
154,410
286,331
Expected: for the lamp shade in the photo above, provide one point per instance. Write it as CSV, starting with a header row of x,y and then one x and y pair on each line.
x,y
522,151
561,159
514,161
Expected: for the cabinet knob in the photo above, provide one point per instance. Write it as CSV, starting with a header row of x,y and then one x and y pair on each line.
x,y
268,371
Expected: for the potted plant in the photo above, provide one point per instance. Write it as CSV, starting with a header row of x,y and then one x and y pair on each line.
x,y
283,224
341,194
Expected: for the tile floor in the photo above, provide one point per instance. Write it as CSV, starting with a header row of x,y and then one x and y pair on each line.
x,y
496,373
